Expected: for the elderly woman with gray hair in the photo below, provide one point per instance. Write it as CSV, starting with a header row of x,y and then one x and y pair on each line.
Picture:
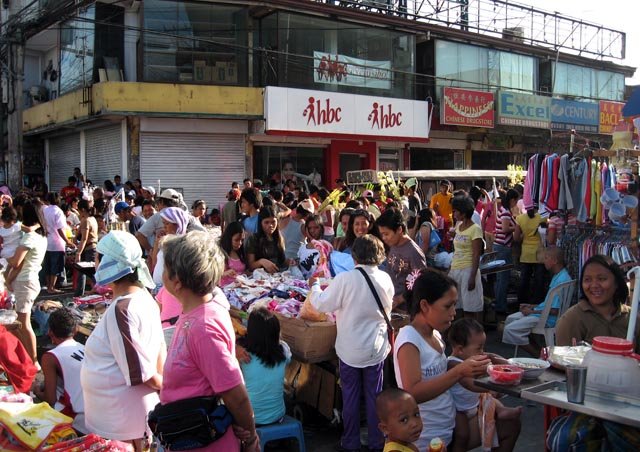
x,y
122,368
201,360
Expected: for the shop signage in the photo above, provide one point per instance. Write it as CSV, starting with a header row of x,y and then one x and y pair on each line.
x,y
304,112
525,110
610,115
465,107
571,114
345,70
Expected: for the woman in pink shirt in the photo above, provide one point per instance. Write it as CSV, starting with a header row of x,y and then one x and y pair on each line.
x,y
201,358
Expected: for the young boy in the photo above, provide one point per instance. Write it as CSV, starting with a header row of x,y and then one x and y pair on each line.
x,y
467,339
314,256
400,420
61,368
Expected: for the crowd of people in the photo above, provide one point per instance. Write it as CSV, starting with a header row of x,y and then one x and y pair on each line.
x,y
382,251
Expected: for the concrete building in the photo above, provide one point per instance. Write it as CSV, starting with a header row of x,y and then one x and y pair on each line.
x,y
196,94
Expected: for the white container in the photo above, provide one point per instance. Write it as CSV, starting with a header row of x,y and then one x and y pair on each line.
x,y
613,367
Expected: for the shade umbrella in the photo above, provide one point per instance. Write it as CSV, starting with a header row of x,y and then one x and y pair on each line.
x,y
632,107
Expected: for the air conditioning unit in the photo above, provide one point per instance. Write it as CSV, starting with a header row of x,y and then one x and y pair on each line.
x,y
513,34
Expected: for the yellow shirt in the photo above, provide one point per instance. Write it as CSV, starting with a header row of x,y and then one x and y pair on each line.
x,y
442,205
530,237
463,246
392,446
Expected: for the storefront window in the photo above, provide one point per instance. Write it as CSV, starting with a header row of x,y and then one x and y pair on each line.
x,y
475,67
279,163
76,51
194,43
431,159
572,80
494,160
323,54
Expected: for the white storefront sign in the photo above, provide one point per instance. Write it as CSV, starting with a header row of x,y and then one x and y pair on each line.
x,y
321,113
346,70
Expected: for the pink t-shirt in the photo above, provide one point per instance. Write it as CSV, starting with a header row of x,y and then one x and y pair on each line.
x,y
201,360
54,219
171,307
232,264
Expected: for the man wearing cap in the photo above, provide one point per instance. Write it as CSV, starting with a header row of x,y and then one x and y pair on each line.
x,y
148,192
147,233
292,230
125,213
415,205
371,207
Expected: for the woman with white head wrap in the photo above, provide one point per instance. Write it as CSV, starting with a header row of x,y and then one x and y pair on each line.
x,y
175,223
122,368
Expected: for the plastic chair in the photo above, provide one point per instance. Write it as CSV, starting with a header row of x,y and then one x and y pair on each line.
x,y
288,428
565,292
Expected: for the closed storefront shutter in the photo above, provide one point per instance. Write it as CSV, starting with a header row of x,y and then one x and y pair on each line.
x,y
104,153
64,155
202,166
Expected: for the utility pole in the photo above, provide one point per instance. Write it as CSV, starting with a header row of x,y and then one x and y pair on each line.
x,y
14,114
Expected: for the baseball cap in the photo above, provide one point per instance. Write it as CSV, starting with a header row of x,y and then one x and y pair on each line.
x,y
150,189
307,205
367,194
119,207
170,193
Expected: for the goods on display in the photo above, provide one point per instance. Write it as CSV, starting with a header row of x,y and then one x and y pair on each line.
x,y
505,374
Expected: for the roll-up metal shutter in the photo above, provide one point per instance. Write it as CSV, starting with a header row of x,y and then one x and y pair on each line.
x,y
104,153
64,155
202,166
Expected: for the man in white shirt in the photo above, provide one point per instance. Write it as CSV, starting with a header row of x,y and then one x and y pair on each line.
x,y
56,223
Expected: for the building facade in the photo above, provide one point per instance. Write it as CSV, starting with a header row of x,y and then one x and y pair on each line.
x,y
196,94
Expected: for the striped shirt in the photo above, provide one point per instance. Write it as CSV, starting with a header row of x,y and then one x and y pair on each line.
x,y
502,237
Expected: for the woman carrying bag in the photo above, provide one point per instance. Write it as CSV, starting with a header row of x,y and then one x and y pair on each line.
x,y
530,263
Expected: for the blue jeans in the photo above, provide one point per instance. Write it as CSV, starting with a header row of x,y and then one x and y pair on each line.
x,y
502,278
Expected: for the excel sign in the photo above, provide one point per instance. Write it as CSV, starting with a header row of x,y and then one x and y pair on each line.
x,y
525,110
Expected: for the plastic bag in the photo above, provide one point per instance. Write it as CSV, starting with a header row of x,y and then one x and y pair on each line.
x,y
308,312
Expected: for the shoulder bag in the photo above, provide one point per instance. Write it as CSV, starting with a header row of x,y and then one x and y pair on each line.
x,y
390,330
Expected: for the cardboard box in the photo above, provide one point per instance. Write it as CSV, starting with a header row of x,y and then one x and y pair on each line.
x,y
310,342
314,385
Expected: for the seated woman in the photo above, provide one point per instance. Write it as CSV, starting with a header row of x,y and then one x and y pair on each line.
x,y
265,248
264,372
600,312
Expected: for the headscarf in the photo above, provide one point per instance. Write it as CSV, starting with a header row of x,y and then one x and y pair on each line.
x,y
121,256
177,216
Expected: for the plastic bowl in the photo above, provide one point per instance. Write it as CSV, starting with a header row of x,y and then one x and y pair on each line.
x,y
505,374
532,367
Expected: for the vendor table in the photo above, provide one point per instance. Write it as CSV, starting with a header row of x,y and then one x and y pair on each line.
x,y
551,390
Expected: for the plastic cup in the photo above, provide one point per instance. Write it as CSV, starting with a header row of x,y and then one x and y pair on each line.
x,y
576,383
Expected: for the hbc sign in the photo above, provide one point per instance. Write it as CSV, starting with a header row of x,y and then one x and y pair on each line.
x,y
321,113
465,107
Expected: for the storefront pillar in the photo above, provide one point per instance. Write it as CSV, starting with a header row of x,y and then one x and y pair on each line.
x,y
360,155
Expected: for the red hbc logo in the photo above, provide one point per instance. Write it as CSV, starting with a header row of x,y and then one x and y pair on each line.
x,y
321,113
383,117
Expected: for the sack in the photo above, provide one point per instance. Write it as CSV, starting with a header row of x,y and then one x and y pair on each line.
x,y
189,423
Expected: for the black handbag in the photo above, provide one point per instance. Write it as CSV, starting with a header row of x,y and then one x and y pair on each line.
x,y
190,423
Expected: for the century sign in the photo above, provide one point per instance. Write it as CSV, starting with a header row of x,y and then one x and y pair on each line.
x,y
321,113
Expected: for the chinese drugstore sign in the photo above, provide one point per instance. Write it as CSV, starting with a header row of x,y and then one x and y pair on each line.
x,y
610,115
465,107
321,113
525,110
346,70
571,114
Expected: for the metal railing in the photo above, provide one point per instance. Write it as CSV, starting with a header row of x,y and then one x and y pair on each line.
x,y
505,19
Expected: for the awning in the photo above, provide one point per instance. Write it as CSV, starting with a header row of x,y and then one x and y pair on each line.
x,y
632,107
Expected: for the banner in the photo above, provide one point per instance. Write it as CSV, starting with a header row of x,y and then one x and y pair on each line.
x,y
525,110
571,114
350,71
610,115
465,107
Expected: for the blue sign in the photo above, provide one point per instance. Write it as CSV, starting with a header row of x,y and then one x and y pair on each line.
x,y
525,110
571,114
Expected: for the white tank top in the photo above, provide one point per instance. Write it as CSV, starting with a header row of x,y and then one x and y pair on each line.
x,y
70,355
